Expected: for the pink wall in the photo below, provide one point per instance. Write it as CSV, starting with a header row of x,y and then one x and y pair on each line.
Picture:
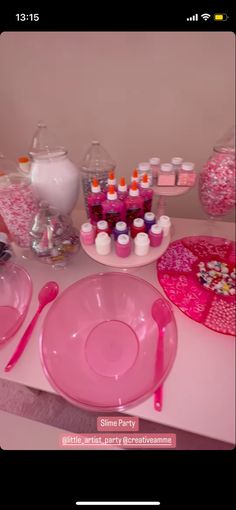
x,y
141,93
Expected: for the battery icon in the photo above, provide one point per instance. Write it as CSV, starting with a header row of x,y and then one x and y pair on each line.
x,y
220,17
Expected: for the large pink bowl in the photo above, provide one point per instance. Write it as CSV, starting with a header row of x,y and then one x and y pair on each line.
x,y
15,296
99,342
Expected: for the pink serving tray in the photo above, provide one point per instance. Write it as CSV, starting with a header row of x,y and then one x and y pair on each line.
x,y
99,342
15,297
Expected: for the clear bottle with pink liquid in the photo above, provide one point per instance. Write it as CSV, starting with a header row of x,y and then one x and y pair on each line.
x,y
147,193
95,200
134,204
113,209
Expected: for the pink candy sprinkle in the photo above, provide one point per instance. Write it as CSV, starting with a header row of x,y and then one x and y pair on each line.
x,y
217,184
18,207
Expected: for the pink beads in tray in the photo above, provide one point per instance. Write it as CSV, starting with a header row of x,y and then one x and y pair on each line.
x,y
17,207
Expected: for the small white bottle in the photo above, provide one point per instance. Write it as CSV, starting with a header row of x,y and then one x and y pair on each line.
x,y
141,244
144,168
165,223
103,243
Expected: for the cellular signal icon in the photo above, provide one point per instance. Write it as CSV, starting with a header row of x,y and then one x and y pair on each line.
x,y
193,18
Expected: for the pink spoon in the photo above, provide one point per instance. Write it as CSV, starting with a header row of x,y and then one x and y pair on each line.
x,y
47,294
162,314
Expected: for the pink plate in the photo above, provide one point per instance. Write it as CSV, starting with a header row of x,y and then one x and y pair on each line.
x,y
99,342
15,296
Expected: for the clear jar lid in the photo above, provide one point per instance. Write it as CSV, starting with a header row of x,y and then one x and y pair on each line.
x,y
154,161
166,167
156,229
188,166
12,180
7,166
144,167
176,160
44,144
96,159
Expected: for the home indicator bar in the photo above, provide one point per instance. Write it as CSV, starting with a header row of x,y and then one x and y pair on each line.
x,y
118,503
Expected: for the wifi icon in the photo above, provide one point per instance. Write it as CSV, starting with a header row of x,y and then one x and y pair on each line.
x,y
205,16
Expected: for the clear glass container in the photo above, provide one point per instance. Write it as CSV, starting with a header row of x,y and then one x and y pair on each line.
x,y
6,167
96,163
18,205
54,176
217,179
53,237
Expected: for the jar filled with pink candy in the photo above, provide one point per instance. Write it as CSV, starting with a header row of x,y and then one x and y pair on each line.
x,y
217,179
18,206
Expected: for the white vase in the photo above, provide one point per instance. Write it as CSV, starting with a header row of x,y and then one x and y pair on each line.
x,y
55,179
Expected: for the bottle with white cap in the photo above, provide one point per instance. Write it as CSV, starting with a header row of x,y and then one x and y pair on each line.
x,y
165,223
103,243
155,168
186,176
113,208
166,175
144,168
141,244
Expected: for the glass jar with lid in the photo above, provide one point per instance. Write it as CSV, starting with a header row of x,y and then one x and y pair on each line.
x,y
54,176
95,164
217,179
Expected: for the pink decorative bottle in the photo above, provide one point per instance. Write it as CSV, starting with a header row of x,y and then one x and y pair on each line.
x,y
122,189
134,204
147,193
95,200
113,208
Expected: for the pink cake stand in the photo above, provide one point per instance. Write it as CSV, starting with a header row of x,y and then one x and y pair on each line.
x,y
99,343
133,260
168,191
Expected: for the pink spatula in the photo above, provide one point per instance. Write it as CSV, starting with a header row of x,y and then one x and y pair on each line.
x,y
47,294
162,314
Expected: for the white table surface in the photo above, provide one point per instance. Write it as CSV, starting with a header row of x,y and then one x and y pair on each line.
x,y
199,393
